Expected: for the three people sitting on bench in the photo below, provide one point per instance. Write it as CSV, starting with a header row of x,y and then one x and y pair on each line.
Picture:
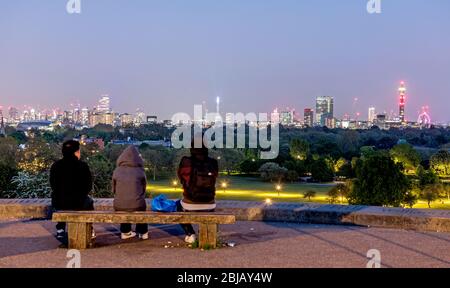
x,y
71,182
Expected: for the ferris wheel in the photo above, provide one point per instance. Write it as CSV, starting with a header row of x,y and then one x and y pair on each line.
x,y
424,117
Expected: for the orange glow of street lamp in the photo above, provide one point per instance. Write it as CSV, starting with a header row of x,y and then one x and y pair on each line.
x,y
224,185
278,187
175,184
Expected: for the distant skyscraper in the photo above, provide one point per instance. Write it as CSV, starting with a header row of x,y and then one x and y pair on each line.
x,y
25,116
218,105
287,117
308,117
76,115
372,115
229,119
218,118
324,111
140,118
84,117
104,105
32,114
13,114
2,125
68,116
402,101
275,116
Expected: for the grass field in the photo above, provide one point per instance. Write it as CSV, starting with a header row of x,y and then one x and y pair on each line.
x,y
249,189
253,189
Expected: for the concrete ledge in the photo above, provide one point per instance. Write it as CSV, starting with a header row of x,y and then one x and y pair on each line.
x,y
409,219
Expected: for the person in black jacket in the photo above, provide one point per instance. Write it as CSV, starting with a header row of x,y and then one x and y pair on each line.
x,y
71,183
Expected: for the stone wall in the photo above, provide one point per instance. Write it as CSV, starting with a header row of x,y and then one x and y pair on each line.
x,y
410,219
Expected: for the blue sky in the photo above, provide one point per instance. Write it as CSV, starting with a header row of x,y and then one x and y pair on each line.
x,y
164,56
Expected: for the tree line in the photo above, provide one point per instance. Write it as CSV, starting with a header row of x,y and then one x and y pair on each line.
x,y
391,168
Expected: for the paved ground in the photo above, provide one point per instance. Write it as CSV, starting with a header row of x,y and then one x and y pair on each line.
x,y
258,245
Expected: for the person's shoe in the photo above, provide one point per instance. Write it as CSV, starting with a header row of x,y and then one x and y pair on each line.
x,y
190,239
128,235
93,235
143,236
60,234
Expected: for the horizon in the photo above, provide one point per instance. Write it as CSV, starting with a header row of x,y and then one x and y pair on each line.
x,y
165,57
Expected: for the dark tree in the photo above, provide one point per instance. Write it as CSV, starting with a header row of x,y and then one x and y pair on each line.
x,y
379,182
321,171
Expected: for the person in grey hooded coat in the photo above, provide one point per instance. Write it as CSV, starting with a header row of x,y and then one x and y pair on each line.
x,y
129,187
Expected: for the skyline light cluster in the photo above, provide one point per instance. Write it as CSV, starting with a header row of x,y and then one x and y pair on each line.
x,y
322,115
324,112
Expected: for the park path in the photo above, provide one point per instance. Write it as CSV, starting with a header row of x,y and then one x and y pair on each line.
x,y
258,245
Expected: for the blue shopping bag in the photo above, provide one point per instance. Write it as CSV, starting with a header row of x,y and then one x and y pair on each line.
x,y
162,204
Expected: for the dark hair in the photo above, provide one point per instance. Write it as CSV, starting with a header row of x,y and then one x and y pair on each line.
x,y
70,147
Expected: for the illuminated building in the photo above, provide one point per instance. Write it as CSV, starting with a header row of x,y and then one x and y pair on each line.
x,y
13,115
152,119
402,101
308,117
275,117
218,105
287,117
33,114
68,116
372,115
84,117
106,118
2,124
218,118
325,111
140,118
126,119
229,119
104,104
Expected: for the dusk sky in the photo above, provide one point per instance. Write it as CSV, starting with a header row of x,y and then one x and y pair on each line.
x,y
164,56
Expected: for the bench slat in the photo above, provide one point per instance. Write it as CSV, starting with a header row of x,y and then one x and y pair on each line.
x,y
143,217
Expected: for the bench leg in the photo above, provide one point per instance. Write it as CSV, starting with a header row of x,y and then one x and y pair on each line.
x,y
208,236
80,235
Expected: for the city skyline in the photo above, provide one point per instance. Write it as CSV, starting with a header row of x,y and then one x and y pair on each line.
x,y
103,106
163,58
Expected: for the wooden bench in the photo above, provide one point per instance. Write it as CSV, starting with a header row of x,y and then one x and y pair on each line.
x,y
79,223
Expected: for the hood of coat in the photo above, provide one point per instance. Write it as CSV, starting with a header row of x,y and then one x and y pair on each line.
x,y
130,158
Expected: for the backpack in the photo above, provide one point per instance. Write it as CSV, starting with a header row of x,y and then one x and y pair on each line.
x,y
202,182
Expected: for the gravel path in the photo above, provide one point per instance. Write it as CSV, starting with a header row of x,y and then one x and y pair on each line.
x,y
258,245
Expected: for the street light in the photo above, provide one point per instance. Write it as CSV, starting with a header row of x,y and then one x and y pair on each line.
x,y
278,188
268,201
175,184
224,186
